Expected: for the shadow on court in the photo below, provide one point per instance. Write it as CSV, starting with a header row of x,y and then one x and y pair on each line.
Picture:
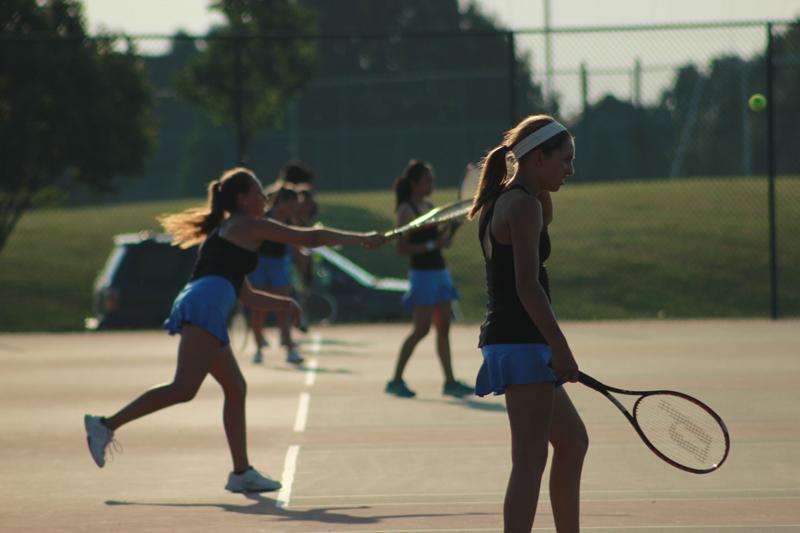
x,y
470,403
267,507
304,368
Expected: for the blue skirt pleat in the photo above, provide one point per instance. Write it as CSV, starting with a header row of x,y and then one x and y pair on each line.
x,y
513,364
429,287
207,303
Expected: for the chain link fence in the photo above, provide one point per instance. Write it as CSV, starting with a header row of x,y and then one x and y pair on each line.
x,y
680,188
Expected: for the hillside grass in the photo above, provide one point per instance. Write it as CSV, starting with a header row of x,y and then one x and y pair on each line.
x,y
674,248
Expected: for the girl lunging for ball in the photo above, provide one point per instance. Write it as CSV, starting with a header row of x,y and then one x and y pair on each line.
x,y
230,229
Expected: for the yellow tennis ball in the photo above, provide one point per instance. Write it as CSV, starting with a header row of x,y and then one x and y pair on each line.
x,y
757,102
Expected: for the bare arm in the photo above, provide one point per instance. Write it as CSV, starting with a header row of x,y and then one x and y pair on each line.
x,y
525,224
265,301
272,230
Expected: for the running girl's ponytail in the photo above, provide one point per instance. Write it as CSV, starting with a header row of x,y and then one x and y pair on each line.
x,y
493,176
216,212
192,226
411,174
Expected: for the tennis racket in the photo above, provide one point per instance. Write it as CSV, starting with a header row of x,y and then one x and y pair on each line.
x,y
434,217
680,429
469,185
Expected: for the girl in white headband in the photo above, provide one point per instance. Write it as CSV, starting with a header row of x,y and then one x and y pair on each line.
x,y
526,355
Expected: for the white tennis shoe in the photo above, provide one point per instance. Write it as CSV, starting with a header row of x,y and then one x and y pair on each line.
x,y
251,481
98,437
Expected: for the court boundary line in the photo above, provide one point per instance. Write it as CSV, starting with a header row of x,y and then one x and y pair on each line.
x,y
301,418
583,528
499,501
545,493
287,477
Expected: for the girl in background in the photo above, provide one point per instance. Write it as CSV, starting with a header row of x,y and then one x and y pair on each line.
x,y
273,273
432,288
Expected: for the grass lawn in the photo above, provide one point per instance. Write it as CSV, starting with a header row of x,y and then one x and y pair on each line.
x,y
671,248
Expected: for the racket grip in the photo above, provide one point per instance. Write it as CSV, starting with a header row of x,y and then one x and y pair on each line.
x,y
590,382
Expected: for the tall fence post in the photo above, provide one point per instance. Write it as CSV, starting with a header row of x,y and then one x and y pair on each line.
x,y
512,79
238,77
584,87
773,256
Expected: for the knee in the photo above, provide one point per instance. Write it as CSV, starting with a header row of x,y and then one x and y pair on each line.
x,y
238,391
419,333
183,392
531,462
576,447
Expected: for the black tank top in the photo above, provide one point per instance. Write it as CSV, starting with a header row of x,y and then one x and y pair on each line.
x,y
272,248
428,260
220,257
507,321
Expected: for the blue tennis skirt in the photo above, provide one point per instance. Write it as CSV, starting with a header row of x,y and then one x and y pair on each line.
x,y
272,272
207,303
514,364
429,287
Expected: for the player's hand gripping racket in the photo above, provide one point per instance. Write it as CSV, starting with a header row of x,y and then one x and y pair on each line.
x,y
680,429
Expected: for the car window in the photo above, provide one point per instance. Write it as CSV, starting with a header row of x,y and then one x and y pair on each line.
x,y
154,264
111,266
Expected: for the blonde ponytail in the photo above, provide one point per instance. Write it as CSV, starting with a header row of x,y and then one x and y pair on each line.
x,y
191,226
493,176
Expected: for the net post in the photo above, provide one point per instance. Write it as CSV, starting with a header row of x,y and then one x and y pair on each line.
x,y
773,263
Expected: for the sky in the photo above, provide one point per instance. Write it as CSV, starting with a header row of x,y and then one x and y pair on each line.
x,y
160,16
610,58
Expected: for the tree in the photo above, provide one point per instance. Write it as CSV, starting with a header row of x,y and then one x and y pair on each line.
x,y
250,81
716,134
416,78
623,141
73,110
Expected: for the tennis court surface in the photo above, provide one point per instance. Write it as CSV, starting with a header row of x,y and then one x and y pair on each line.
x,y
354,459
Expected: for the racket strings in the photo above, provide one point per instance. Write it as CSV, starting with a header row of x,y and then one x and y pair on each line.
x,y
682,430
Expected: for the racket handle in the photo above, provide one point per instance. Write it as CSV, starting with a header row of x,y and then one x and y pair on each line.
x,y
590,382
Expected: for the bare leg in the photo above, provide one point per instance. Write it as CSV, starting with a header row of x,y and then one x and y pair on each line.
x,y
197,351
422,317
441,320
570,443
257,318
226,371
283,319
530,410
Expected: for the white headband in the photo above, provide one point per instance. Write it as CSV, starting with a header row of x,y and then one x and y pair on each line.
x,y
536,138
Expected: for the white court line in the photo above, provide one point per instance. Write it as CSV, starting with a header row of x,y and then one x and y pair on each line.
x,y
710,527
290,463
311,372
592,528
499,501
700,493
287,478
302,412
316,343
